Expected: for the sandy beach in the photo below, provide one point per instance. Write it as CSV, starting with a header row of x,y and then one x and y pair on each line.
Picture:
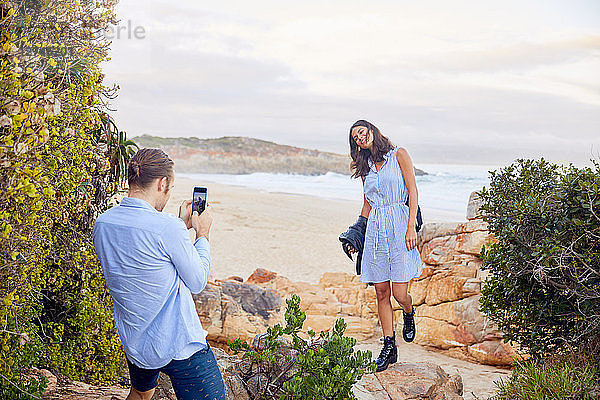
x,y
293,235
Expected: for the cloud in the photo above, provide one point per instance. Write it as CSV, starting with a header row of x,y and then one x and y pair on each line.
x,y
443,81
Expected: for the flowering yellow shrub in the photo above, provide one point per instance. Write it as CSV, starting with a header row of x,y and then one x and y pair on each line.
x,y
57,172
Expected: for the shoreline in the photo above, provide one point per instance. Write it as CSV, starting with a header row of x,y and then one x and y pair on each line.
x,y
294,235
429,214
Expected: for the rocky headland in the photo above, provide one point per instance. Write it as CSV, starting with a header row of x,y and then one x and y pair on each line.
x,y
243,155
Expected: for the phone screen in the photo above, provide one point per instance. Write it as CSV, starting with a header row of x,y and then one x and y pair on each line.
x,y
199,199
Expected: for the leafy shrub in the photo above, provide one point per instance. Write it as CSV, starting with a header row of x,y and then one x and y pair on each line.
x,y
543,288
565,378
58,171
321,367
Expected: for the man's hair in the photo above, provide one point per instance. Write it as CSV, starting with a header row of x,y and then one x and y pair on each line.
x,y
147,165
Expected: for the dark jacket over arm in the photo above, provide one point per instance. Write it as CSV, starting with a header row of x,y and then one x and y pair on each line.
x,y
354,237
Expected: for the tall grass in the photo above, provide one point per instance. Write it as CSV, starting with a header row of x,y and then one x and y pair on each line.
x,y
573,377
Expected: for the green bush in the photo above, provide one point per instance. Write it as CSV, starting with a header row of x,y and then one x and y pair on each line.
x,y
567,378
543,288
322,367
58,171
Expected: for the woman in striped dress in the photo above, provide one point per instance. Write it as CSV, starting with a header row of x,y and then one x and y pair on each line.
x,y
390,256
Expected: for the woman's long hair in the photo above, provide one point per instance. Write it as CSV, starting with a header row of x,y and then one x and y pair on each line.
x,y
360,157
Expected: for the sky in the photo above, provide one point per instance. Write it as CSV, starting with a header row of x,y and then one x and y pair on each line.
x,y
475,82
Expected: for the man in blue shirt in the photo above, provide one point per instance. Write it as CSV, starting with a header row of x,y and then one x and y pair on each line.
x,y
151,268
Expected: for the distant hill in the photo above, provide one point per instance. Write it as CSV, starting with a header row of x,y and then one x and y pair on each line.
x,y
243,155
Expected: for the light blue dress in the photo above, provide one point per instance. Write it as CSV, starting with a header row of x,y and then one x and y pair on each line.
x,y
385,257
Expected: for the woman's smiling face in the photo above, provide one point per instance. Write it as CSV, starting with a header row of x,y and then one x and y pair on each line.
x,y
362,137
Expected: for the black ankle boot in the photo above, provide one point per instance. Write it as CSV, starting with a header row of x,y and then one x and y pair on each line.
x,y
409,330
388,355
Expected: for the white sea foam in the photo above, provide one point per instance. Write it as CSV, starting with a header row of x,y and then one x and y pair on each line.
x,y
444,192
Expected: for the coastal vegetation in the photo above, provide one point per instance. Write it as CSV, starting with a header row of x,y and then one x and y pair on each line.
x,y
62,161
323,366
543,288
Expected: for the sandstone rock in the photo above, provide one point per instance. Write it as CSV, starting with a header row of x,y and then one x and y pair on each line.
x,y
441,334
330,309
432,230
261,275
309,293
439,250
418,291
475,263
339,279
492,352
253,299
236,310
208,307
472,286
357,327
369,388
443,287
474,206
472,242
462,313
472,225
428,270
416,381
237,323
467,271
356,298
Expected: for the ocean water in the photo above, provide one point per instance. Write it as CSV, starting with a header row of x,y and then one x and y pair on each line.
x,y
444,192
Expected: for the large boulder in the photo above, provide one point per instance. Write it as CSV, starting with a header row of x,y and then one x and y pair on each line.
x,y
230,310
446,295
474,206
445,287
410,381
493,352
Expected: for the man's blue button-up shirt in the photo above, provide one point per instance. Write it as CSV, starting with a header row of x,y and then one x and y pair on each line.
x,y
151,269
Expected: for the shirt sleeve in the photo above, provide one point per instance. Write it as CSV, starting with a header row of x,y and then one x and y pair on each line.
x,y
192,261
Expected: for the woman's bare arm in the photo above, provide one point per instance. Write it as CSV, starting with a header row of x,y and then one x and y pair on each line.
x,y
366,208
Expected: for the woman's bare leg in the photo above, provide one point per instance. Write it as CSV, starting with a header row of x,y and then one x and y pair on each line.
x,y
384,308
400,292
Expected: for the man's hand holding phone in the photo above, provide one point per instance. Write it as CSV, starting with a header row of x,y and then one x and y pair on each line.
x,y
201,223
185,212
188,212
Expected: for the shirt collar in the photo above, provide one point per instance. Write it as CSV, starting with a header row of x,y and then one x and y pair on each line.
x,y
136,203
385,157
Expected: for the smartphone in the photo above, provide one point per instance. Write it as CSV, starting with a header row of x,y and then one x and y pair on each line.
x,y
199,199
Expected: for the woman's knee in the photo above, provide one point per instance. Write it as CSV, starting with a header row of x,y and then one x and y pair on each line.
x,y
383,293
401,294
402,298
